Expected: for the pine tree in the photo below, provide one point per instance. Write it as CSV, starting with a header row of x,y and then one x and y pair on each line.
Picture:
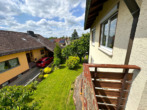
x,y
74,35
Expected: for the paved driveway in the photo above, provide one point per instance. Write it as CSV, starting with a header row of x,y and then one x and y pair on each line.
x,y
22,80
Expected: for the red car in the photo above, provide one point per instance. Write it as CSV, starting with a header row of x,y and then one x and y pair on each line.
x,y
44,61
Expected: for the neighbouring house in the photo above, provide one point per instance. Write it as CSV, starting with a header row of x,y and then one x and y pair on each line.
x,y
61,42
118,40
19,51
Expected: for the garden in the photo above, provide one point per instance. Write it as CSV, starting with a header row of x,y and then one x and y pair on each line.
x,y
53,88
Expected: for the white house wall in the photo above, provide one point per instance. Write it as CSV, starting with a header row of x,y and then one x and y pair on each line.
x,y
124,24
137,99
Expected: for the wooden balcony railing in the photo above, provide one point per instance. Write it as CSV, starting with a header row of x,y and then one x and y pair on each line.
x,y
106,90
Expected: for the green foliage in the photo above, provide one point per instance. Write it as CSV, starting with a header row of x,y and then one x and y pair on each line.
x,y
52,67
57,51
40,76
57,55
47,70
74,35
78,47
16,98
66,52
57,61
52,38
33,85
87,56
72,62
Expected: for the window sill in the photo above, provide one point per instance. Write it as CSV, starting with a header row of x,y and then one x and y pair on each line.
x,y
105,51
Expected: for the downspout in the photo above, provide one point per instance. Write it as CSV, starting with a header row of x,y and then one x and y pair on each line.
x,y
135,11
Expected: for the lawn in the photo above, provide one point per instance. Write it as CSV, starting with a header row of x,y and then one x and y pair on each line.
x,y
56,91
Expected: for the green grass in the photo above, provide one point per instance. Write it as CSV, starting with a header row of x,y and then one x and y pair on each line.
x,y
56,91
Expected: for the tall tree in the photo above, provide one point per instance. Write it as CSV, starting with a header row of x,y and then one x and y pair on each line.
x,y
57,55
74,35
78,47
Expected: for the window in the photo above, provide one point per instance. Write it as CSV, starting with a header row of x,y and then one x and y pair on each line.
x,y
93,36
108,32
42,52
6,65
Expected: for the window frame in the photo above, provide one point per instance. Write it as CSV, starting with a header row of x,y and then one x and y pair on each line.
x,y
102,31
10,67
93,36
107,18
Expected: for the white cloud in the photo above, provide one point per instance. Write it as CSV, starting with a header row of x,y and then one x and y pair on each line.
x,y
83,4
47,10
9,7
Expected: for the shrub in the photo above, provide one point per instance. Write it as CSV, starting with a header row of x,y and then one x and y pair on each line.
x,y
45,76
87,57
33,85
57,61
57,51
72,62
52,67
16,98
40,76
47,70
41,70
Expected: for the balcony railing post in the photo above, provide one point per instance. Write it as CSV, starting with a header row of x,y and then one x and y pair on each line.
x,y
126,71
95,74
101,96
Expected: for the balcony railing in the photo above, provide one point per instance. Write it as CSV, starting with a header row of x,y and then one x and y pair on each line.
x,y
106,90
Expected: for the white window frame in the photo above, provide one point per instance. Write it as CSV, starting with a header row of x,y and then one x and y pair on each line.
x,y
93,36
108,17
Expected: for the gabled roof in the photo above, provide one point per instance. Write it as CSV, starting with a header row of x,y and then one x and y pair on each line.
x,y
14,42
93,7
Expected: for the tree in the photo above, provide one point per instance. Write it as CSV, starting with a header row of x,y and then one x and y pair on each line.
x,y
74,35
66,52
57,55
63,37
82,45
78,47
52,38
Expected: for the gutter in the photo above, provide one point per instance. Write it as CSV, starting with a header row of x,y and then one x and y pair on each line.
x,y
135,11
88,3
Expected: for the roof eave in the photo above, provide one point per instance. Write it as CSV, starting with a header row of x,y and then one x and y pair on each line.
x,y
19,51
88,3
93,7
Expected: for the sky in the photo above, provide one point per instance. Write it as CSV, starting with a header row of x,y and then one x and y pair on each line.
x,y
48,18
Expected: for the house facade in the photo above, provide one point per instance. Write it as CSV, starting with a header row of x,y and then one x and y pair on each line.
x,y
119,36
19,52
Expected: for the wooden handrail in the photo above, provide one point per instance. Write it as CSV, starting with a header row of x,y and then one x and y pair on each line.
x,y
114,66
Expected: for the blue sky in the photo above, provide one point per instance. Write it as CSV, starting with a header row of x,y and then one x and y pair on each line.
x,y
46,17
